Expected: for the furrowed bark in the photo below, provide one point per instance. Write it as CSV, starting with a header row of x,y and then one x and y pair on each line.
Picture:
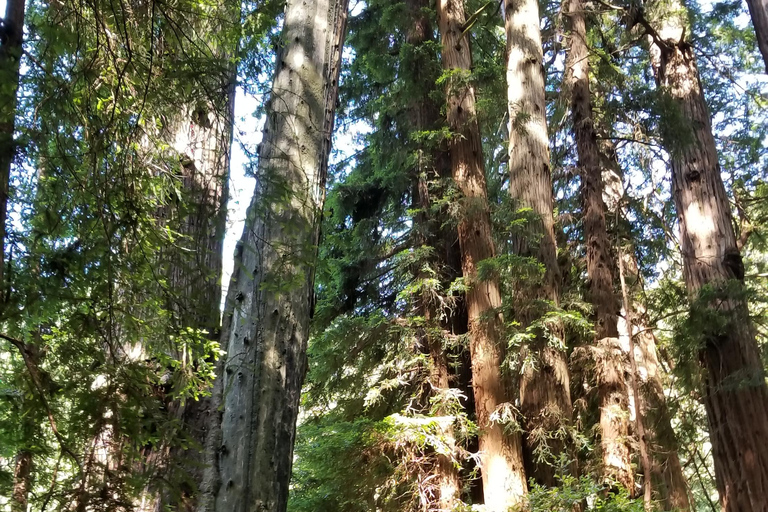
x,y
504,483
612,392
645,458
735,392
545,397
758,9
669,482
202,136
269,303
10,60
431,230
22,473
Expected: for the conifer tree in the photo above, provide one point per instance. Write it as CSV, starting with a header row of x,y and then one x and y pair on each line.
x,y
433,230
545,396
504,483
614,402
758,9
269,303
11,38
735,394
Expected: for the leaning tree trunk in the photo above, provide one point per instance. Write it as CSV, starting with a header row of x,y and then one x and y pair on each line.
x,y
545,398
735,392
269,304
431,228
758,9
612,391
10,59
502,471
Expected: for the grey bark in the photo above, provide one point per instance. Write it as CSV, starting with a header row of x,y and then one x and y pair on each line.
x,y
269,303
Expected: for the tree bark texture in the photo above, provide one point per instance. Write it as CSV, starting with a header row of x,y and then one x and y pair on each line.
x,y
612,390
668,480
735,394
501,462
545,397
10,60
432,230
269,303
22,473
202,137
758,9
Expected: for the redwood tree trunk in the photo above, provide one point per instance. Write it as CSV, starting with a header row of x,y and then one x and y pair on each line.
x,y
545,397
758,9
612,390
669,482
433,230
269,303
10,59
504,483
735,394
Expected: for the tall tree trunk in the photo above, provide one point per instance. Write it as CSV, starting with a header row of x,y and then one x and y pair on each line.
x,y
545,397
269,304
202,136
645,458
504,483
432,231
735,394
668,479
758,9
612,391
669,482
10,59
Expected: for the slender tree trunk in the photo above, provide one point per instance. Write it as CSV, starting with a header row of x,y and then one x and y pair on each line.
x,y
669,482
435,233
735,394
545,397
10,59
645,458
22,470
758,9
269,304
504,483
612,391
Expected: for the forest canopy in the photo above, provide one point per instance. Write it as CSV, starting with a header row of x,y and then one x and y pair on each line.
x,y
500,256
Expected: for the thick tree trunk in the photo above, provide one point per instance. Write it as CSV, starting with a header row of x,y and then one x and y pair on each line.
x,y
758,9
202,136
504,483
10,59
269,304
735,394
432,230
545,397
612,391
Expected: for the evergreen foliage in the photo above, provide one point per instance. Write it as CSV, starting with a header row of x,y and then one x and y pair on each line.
x,y
107,332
